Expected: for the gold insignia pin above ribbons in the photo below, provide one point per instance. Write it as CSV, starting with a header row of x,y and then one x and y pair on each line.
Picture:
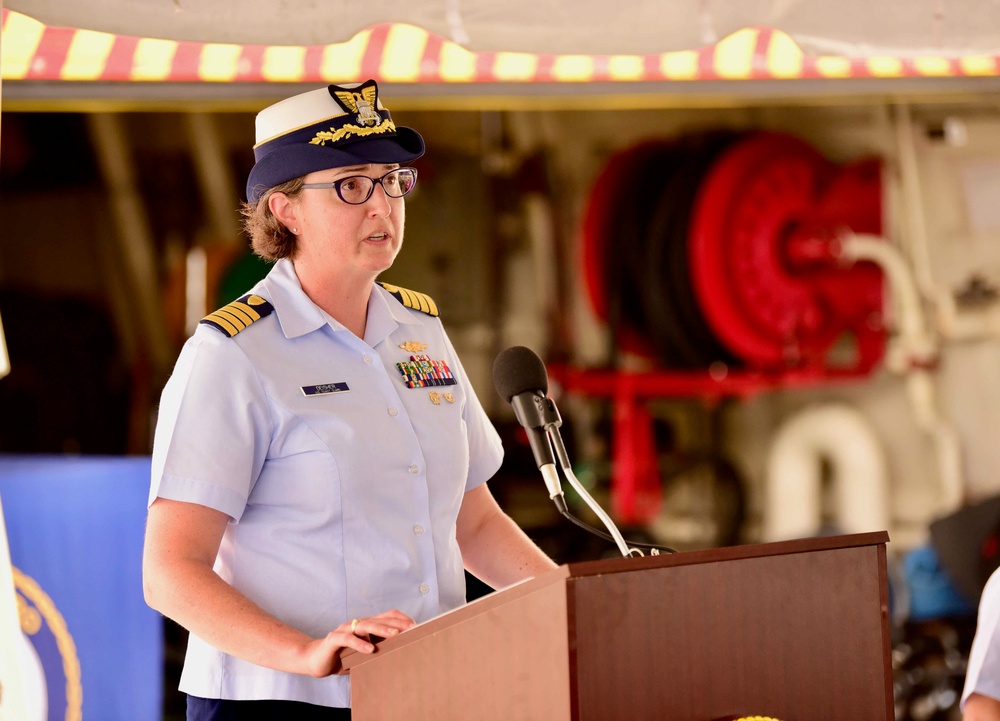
x,y
411,346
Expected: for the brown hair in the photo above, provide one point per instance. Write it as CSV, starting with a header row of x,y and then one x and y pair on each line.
x,y
270,239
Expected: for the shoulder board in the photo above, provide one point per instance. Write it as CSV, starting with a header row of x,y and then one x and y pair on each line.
x,y
412,299
239,314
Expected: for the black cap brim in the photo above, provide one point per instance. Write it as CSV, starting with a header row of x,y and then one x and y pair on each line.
x,y
287,162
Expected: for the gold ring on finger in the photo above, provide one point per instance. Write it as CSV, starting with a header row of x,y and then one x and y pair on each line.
x,y
354,624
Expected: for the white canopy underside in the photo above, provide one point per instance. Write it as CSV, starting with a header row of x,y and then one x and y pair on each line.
x,y
853,28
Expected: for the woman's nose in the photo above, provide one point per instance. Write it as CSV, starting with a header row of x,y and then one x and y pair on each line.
x,y
379,205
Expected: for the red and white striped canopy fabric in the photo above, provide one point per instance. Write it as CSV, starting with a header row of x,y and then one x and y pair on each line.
x,y
30,50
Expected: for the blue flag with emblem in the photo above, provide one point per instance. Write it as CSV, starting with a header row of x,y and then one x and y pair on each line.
x,y
90,647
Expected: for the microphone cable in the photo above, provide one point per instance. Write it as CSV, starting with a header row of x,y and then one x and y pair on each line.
x,y
626,547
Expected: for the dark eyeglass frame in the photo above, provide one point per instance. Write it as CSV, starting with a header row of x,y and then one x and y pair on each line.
x,y
336,184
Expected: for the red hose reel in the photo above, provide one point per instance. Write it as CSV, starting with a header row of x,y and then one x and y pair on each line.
x,y
716,249
761,209
757,216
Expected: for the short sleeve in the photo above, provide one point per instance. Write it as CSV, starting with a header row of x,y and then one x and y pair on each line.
x,y
213,428
485,446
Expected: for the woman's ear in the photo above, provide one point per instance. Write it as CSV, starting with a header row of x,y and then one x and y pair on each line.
x,y
284,209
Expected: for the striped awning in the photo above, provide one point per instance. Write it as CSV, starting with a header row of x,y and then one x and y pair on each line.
x,y
30,50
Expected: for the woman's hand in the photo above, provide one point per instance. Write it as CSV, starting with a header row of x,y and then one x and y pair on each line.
x,y
322,655
182,540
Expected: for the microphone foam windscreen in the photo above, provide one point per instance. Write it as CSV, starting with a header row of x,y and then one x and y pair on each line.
x,y
518,369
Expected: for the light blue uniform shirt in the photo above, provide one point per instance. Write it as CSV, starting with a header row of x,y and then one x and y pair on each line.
x,y
983,673
343,505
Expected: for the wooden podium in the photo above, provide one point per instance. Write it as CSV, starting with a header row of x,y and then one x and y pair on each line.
x,y
797,630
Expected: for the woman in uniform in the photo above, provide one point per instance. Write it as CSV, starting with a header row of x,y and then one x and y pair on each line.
x,y
320,458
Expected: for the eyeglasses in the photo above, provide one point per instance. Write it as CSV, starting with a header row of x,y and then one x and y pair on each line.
x,y
357,189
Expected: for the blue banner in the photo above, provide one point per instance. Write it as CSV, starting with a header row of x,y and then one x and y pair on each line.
x,y
92,649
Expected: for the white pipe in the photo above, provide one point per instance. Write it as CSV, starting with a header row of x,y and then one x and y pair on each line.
x,y
842,436
912,351
947,447
913,342
913,202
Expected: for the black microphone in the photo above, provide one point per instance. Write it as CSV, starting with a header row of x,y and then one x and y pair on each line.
x,y
519,377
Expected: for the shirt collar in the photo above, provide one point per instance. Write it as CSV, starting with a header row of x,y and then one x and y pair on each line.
x,y
385,315
298,315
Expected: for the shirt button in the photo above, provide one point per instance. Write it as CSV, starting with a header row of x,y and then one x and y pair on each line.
x,y
414,469
367,358
424,588
393,411
418,529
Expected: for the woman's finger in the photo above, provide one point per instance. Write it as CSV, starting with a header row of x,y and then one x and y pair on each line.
x,y
367,627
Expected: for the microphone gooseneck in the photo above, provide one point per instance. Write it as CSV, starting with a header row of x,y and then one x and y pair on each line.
x,y
520,378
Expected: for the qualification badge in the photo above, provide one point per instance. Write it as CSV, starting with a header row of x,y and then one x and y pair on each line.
x,y
411,346
435,398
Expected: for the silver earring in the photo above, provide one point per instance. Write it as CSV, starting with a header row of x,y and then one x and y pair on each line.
x,y
295,231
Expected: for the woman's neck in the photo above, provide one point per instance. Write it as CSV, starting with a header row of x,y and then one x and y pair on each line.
x,y
345,299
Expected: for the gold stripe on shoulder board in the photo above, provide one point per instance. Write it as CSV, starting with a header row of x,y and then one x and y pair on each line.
x,y
412,299
237,316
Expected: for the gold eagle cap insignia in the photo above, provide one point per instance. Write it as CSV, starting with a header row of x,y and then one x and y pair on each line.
x,y
363,103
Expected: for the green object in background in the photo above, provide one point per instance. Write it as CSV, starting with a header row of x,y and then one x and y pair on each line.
x,y
241,276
